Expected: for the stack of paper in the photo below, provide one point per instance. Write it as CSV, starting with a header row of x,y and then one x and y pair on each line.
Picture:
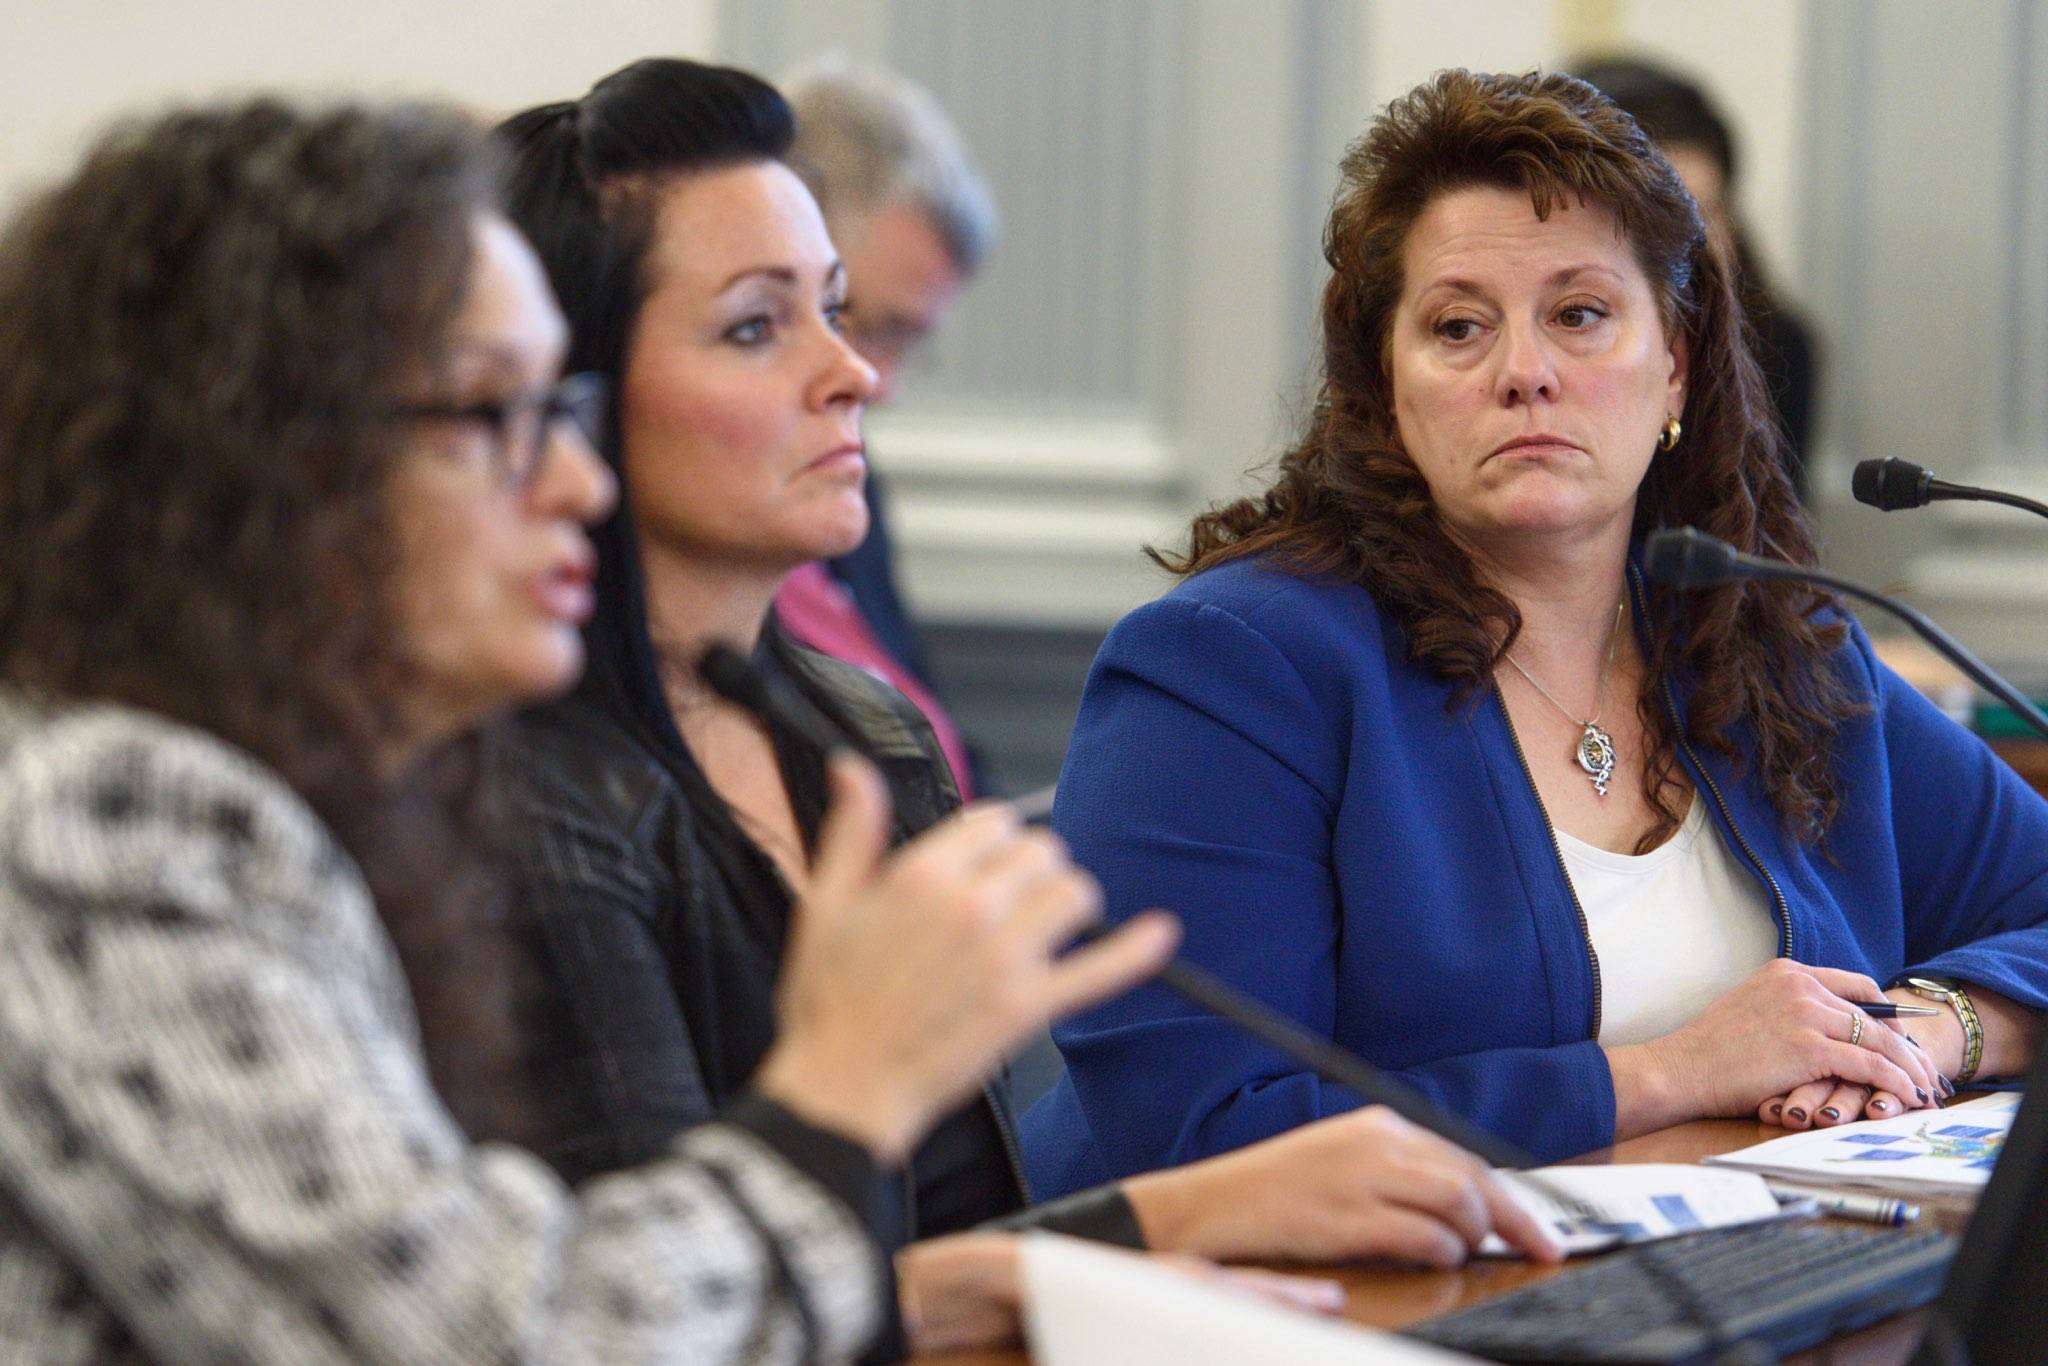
x,y
1924,1152
1593,1208
1088,1305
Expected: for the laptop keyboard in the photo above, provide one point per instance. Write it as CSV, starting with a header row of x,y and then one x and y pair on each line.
x,y
1785,1285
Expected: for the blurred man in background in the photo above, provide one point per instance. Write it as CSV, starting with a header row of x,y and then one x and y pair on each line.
x,y
913,219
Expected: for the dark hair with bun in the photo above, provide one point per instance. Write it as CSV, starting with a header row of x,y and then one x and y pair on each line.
x,y
582,185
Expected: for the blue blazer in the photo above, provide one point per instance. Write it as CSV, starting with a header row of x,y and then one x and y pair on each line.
x,y
1256,752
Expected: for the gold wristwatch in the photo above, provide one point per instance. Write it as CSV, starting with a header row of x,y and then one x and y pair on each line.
x,y
1955,998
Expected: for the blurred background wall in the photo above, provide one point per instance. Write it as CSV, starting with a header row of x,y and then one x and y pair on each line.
x,y
1141,337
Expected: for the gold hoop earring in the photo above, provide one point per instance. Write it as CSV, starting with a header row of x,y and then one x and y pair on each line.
x,y
1668,438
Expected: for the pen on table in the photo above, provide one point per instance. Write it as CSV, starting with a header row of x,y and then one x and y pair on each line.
x,y
1871,1209
1892,1010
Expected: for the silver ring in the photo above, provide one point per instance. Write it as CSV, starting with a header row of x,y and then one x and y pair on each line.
x,y
1855,1028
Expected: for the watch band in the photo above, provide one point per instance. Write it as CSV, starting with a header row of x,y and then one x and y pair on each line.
x,y
1958,1000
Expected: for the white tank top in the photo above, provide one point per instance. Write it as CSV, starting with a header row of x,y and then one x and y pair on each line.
x,y
1673,928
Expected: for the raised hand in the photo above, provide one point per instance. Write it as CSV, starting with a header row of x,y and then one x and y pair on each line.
x,y
910,976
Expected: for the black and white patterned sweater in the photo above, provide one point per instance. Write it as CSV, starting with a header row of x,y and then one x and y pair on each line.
x,y
218,1141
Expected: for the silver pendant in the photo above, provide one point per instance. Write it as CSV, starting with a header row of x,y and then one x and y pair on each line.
x,y
1596,756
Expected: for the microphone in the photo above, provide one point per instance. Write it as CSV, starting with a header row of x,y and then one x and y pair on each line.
x,y
1892,484
1689,558
775,702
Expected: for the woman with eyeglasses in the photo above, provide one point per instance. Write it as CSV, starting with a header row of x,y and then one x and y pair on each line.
x,y
665,830
290,510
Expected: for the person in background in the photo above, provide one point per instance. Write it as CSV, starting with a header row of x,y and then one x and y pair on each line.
x,y
913,219
1691,132
292,506
665,833
1418,756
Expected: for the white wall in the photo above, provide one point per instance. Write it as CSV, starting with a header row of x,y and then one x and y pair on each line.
x,y
71,65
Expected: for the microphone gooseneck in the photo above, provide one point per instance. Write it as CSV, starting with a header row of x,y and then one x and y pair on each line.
x,y
1892,484
774,701
1689,558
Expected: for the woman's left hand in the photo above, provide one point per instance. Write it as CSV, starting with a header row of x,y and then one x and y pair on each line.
x,y
965,1292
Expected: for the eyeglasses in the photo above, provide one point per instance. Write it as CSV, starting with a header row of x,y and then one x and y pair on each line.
x,y
519,426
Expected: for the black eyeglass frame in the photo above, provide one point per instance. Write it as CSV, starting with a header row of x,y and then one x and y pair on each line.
x,y
517,452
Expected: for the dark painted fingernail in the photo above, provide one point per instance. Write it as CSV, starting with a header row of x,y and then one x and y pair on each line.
x,y
1777,1108
1830,1112
1948,1088
1880,1104
1913,1041
1922,1093
1797,1113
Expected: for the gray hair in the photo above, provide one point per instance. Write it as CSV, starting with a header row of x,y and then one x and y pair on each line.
x,y
867,139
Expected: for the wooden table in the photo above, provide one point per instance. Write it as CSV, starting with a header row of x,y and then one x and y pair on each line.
x,y
1390,1298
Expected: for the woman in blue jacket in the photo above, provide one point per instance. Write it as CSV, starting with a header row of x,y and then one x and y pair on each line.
x,y
1420,759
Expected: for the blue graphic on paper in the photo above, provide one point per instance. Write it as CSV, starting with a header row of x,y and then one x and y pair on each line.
x,y
1974,1146
1674,1208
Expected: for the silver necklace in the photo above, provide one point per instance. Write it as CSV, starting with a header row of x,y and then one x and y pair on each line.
x,y
1595,750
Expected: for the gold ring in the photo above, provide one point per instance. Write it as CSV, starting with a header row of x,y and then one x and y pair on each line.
x,y
1855,1028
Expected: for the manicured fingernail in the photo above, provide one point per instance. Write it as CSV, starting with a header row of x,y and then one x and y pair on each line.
x,y
1829,1112
1777,1108
1913,1041
1797,1113
1948,1088
1922,1093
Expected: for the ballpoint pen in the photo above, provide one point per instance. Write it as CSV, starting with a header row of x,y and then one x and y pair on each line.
x,y
1871,1209
1892,1010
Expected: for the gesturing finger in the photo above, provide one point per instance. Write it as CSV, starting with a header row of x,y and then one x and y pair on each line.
x,y
1111,964
855,832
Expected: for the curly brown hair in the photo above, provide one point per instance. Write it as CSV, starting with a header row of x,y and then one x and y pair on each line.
x,y
202,334
1349,503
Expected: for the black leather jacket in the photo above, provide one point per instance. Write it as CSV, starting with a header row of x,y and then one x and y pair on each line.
x,y
654,1000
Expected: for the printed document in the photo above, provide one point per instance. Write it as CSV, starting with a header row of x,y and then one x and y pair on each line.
x,y
1090,1305
1949,1151
1591,1208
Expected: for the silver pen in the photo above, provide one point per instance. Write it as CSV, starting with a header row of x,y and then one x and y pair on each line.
x,y
1870,1209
